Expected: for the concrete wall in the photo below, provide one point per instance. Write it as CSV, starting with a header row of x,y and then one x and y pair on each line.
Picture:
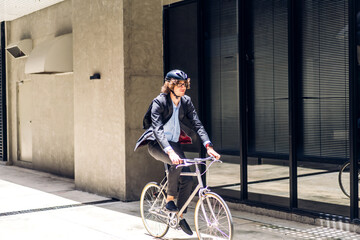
x,y
83,128
52,125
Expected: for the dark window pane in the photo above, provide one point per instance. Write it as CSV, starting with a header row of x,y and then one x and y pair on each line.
x,y
268,176
221,65
325,70
325,105
269,107
222,93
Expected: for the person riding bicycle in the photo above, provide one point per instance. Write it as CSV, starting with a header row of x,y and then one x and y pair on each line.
x,y
169,120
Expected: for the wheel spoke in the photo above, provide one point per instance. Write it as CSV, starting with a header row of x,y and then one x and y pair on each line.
x,y
212,219
152,198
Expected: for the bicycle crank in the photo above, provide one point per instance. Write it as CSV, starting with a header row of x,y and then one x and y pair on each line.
x,y
172,219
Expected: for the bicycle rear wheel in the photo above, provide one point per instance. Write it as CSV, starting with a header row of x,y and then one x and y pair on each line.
x,y
152,201
344,178
213,218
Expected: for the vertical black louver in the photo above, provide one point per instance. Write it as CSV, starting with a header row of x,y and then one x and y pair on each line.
x,y
3,146
268,57
221,74
325,78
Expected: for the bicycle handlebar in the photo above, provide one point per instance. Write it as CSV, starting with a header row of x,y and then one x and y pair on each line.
x,y
189,162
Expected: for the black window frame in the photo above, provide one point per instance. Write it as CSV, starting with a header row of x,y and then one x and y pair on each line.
x,y
3,113
295,108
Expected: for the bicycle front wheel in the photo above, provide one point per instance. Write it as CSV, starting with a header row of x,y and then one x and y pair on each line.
x,y
213,218
152,201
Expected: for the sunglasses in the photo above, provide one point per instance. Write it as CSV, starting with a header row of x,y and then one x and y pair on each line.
x,y
181,84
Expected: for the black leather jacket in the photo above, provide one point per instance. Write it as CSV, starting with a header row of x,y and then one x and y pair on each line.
x,y
160,112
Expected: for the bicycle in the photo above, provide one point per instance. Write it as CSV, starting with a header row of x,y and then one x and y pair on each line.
x,y
213,219
344,178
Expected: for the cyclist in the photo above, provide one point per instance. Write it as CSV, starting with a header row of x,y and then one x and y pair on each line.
x,y
169,121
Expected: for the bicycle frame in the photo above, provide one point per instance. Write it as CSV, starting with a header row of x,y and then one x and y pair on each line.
x,y
200,187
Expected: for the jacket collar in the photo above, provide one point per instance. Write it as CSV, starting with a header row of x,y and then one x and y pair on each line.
x,y
169,103
170,106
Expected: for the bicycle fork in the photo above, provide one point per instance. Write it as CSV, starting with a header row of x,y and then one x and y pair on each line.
x,y
202,193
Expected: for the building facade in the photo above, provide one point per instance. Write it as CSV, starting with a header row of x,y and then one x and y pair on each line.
x,y
275,84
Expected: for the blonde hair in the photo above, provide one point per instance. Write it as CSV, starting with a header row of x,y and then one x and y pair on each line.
x,y
170,84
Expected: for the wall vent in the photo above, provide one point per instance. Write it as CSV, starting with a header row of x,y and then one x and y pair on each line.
x,y
20,49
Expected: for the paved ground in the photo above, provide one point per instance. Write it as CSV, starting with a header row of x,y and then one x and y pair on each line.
x,y
36,205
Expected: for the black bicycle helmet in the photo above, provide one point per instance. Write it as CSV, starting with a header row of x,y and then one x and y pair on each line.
x,y
176,74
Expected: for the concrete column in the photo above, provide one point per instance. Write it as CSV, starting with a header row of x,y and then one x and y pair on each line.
x,y
99,105
122,40
143,59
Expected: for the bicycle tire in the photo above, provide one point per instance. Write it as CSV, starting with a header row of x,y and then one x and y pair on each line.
x,y
344,178
155,225
221,224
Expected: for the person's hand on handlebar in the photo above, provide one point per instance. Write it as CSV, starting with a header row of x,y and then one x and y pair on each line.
x,y
212,152
175,159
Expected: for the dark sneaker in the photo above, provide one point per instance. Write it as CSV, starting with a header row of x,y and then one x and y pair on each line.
x,y
185,227
170,206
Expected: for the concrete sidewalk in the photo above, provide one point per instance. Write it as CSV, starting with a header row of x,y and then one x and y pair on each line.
x,y
37,205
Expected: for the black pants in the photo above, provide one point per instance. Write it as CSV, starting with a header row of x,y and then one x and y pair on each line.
x,y
186,182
